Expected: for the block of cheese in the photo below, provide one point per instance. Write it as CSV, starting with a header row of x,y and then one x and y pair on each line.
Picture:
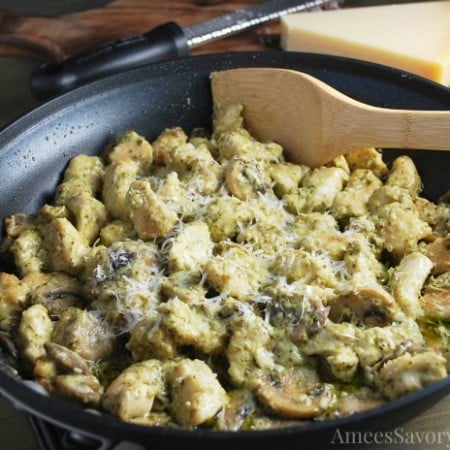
x,y
410,36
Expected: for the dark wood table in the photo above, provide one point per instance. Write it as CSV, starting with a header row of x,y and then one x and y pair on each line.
x,y
26,40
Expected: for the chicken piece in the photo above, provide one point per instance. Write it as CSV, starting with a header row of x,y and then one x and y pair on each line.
x,y
235,270
170,138
191,248
197,395
352,200
150,338
66,247
133,393
29,252
409,373
49,212
85,334
400,228
286,177
152,218
71,188
435,301
57,291
387,194
407,282
35,330
191,326
89,215
118,178
297,394
404,174
246,178
88,169
249,351
367,158
123,281
187,286
439,253
83,388
376,345
319,232
225,216
318,190
264,235
239,143
116,230
298,265
132,147
335,342
227,119
13,299
17,223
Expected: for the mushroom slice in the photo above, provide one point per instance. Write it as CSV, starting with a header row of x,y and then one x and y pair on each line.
x,y
296,395
370,305
85,388
67,360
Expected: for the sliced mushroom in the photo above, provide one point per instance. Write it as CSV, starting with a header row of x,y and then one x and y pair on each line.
x,y
296,395
85,388
67,360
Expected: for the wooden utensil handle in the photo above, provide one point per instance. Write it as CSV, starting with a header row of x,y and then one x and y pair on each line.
x,y
57,38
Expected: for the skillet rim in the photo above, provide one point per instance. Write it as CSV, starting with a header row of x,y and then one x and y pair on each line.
x,y
63,412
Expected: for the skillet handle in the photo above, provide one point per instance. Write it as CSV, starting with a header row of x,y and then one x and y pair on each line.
x,y
164,42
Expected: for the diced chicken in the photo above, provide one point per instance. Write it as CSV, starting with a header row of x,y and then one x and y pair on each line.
x,y
400,228
29,252
117,181
88,169
235,270
197,395
389,194
13,299
191,248
132,394
352,200
334,343
85,334
116,230
407,282
439,253
191,326
318,190
151,217
132,147
35,330
286,177
409,373
66,247
404,174
367,158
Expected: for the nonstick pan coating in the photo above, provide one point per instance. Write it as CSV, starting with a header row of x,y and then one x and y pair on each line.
x,y
35,149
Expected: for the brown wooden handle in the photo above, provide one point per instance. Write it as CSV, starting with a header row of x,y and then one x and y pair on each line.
x,y
56,38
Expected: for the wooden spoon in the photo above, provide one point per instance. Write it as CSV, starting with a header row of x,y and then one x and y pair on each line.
x,y
315,123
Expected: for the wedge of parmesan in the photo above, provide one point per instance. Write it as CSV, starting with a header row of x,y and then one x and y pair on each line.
x,y
414,37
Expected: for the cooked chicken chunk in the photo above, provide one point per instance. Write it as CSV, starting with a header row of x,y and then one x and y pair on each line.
x,y
133,393
197,395
13,299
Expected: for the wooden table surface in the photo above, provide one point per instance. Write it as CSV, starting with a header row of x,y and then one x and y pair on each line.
x,y
26,40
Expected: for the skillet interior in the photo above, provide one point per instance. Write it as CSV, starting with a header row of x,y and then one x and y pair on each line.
x,y
35,149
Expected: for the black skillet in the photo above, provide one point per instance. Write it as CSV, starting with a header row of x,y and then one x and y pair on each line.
x,y
36,148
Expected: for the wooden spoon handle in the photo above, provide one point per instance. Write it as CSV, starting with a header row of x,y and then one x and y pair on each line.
x,y
409,129
56,38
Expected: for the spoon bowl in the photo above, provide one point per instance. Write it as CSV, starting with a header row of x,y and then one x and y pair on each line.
x,y
316,123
